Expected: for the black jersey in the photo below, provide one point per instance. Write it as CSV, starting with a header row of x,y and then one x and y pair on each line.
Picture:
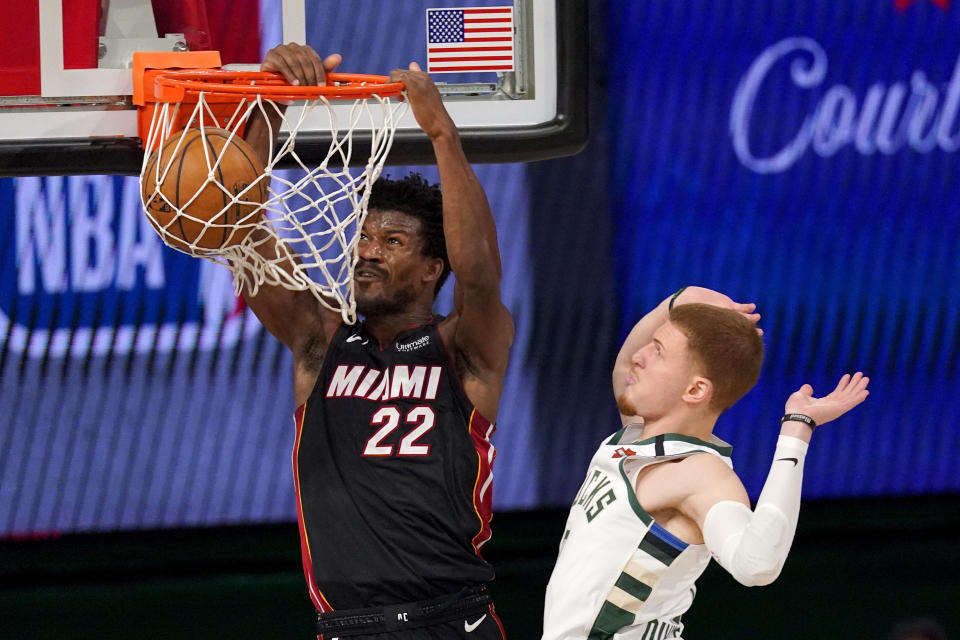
x,y
392,465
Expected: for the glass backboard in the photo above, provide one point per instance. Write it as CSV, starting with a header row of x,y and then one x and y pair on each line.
x,y
66,81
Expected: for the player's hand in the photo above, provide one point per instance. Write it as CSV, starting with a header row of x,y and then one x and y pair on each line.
x,y
703,295
850,391
299,64
425,101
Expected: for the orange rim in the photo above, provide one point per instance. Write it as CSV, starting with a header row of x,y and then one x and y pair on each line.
x,y
173,86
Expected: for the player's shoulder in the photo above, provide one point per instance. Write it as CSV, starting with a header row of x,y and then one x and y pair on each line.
x,y
710,478
705,460
673,482
686,482
706,468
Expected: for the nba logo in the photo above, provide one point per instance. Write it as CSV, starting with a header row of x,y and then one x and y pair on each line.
x,y
86,272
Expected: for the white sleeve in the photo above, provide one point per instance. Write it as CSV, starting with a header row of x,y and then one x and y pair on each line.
x,y
753,545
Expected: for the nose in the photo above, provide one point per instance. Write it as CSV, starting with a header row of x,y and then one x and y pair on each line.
x,y
639,357
368,250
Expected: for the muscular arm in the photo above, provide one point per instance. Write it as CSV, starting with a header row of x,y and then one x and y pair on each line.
x,y
295,318
484,329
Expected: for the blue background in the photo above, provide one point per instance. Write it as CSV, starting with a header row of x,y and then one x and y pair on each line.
x,y
851,257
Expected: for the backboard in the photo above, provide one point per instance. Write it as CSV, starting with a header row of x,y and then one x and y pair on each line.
x,y
66,82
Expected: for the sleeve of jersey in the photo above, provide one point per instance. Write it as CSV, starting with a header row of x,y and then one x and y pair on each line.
x,y
753,545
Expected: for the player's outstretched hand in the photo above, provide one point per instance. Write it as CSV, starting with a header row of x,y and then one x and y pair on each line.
x,y
425,101
850,391
715,298
300,64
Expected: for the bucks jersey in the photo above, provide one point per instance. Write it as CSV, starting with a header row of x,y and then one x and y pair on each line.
x,y
619,574
392,465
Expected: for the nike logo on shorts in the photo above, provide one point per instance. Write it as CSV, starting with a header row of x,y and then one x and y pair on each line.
x,y
470,627
793,460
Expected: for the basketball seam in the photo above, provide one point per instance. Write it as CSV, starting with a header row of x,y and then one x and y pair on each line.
x,y
226,216
255,170
183,155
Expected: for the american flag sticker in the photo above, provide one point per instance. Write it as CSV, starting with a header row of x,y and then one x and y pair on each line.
x,y
470,39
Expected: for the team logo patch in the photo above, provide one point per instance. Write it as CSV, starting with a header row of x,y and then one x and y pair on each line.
x,y
623,452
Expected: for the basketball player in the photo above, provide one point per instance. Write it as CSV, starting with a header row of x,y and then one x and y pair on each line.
x,y
660,496
392,459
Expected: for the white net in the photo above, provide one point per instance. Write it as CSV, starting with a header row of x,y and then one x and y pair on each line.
x,y
294,228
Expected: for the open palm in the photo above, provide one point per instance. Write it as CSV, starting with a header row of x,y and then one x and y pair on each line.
x,y
850,391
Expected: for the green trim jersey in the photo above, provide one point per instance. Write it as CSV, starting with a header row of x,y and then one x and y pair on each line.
x,y
620,575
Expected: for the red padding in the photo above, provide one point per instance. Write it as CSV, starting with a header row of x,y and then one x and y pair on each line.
x,y
235,28
188,17
20,49
228,26
81,31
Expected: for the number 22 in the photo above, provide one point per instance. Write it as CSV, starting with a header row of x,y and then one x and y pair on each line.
x,y
422,417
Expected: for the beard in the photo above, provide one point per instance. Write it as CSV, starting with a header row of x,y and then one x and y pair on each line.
x,y
625,406
384,306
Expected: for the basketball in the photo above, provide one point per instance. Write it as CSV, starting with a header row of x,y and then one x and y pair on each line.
x,y
188,197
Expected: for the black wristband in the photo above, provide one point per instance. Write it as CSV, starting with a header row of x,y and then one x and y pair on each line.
x,y
674,297
799,417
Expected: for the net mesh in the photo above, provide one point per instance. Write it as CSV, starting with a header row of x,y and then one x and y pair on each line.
x,y
295,228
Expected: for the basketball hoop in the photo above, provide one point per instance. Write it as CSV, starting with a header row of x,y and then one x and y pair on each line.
x,y
299,232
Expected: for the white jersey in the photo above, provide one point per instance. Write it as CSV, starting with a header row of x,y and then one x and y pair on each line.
x,y
619,574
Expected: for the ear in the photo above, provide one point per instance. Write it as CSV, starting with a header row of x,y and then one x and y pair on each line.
x,y
433,270
699,391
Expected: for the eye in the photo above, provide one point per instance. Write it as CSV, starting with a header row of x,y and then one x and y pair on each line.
x,y
393,240
363,236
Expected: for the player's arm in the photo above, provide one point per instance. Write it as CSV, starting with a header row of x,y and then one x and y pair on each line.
x,y
640,335
484,329
642,332
300,65
295,318
753,545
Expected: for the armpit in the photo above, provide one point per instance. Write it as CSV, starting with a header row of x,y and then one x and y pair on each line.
x,y
311,355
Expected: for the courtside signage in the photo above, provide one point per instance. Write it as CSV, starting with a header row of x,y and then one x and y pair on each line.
x,y
85,273
916,111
